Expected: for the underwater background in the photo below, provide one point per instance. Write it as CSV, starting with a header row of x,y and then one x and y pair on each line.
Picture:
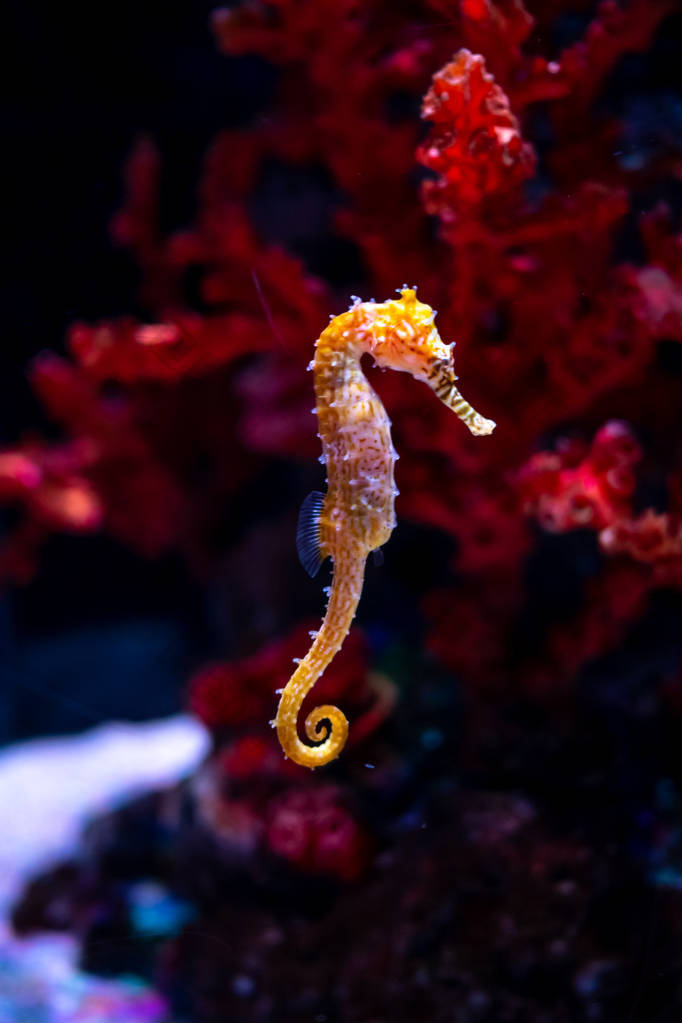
x,y
194,192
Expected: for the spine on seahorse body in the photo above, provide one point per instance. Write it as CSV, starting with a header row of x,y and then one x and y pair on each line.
x,y
325,724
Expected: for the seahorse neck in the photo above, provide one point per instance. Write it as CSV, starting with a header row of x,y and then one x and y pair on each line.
x,y
341,387
336,358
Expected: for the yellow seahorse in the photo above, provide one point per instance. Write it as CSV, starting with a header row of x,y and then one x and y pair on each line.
x,y
357,515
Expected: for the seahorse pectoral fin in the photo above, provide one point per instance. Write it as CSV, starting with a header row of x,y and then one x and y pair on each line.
x,y
378,557
308,533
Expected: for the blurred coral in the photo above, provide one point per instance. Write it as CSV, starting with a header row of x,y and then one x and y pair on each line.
x,y
312,830
566,491
475,146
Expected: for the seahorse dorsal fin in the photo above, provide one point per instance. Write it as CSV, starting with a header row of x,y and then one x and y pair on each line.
x,y
308,533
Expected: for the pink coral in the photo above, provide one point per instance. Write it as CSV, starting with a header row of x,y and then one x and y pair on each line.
x,y
568,489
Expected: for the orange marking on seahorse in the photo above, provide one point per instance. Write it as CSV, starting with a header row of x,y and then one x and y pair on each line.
x,y
357,514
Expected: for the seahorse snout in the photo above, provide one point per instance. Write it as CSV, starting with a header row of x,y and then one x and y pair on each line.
x,y
442,382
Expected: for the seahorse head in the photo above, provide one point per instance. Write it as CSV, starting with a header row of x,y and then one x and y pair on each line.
x,y
406,338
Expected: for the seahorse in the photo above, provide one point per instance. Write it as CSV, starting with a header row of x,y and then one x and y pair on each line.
x,y
356,516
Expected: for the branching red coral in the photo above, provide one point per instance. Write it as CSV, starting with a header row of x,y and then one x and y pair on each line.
x,y
168,415
475,146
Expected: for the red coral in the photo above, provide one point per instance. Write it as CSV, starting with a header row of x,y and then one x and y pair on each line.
x,y
614,31
50,487
660,282
168,415
255,801
594,492
49,482
651,538
249,757
312,830
219,696
475,146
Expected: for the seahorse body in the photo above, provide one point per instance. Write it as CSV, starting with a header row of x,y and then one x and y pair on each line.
x,y
357,514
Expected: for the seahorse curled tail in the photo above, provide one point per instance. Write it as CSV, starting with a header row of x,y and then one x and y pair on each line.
x,y
325,722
